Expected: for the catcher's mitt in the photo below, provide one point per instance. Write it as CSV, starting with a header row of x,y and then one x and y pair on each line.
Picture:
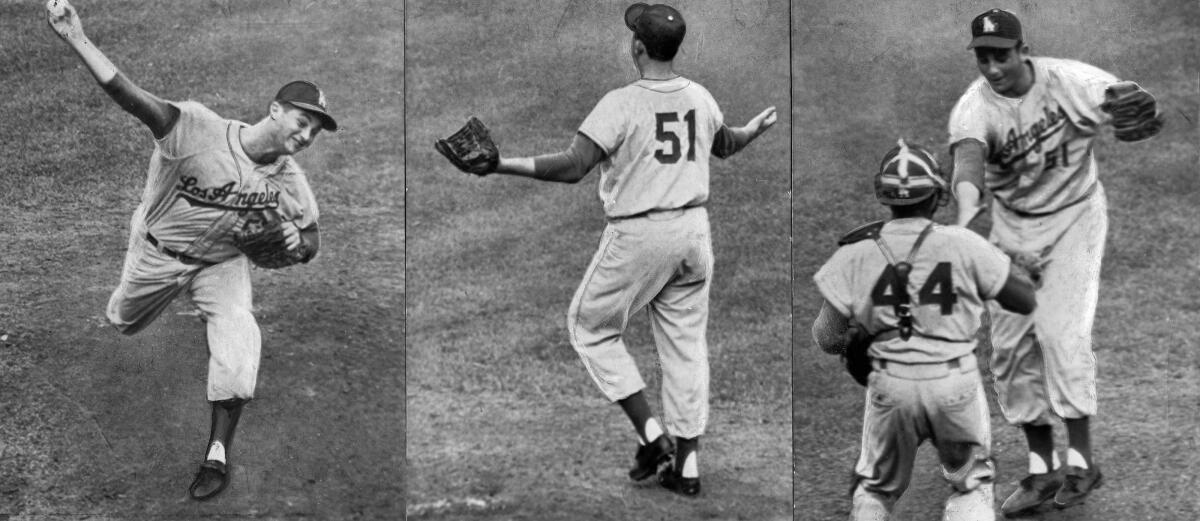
x,y
1029,264
261,239
471,149
1134,111
855,358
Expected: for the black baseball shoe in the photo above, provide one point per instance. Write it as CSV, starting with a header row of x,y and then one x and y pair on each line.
x,y
650,456
1077,484
1035,489
210,480
671,479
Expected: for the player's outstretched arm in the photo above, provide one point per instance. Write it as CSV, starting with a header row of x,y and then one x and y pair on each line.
x,y
1018,294
730,140
568,166
968,180
155,113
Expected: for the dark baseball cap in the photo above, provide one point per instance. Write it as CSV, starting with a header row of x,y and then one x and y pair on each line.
x,y
305,95
660,27
996,28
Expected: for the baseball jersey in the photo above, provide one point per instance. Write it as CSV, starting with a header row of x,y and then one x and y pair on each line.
x,y
1039,146
954,271
657,136
201,184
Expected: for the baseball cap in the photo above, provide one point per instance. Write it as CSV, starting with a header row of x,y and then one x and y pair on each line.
x,y
306,95
660,27
996,28
907,175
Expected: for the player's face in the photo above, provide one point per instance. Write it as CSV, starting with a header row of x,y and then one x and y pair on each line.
x,y
1004,69
297,129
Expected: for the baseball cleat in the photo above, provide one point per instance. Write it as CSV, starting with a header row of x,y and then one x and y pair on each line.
x,y
671,479
1035,489
650,456
210,480
1078,483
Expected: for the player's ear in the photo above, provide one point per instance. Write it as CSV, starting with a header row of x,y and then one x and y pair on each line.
x,y
275,110
636,47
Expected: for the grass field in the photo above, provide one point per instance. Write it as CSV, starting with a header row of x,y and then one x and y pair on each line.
x,y
503,419
867,73
94,425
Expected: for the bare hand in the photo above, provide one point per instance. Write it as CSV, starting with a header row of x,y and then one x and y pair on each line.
x,y
61,16
763,121
291,235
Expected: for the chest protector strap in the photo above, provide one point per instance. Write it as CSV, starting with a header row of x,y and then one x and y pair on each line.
x,y
903,305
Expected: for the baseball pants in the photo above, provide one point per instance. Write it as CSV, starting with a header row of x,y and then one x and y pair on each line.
x,y
151,279
1043,362
907,404
662,261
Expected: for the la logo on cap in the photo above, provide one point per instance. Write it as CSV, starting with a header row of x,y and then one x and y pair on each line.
x,y
320,98
989,26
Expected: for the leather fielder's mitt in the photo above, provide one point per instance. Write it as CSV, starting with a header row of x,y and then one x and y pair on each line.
x,y
1134,111
471,149
1030,265
261,239
855,357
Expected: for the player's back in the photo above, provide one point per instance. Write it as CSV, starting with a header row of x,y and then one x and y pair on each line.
x,y
657,137
953,273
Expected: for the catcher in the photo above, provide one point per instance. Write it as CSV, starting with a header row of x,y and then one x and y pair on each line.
x,y
916,290
219,195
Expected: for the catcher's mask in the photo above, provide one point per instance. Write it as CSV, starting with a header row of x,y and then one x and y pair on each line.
x,y
908,175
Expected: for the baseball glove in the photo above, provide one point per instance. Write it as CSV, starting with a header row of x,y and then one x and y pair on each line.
x,y
1134,111
855,357
262,240
1029,264
471,149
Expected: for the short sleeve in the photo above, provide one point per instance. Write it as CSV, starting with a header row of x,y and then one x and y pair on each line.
x,y
991,265
197,128
833,282
1083,86
297,201
968,119
606,124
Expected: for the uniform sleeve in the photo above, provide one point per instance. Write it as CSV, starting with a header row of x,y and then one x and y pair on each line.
x,y
834,283
296,199
991,265
968,119
1082,87
197,128
606,125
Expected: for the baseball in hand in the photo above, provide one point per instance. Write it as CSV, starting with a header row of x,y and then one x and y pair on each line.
x,y
56,8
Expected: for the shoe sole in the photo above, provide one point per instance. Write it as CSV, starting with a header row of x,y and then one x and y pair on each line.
x,y
1081,498
1027,509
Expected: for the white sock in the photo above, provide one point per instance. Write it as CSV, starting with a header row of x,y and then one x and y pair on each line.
x,y
216,451
690,468
652,429
1075,459
1037,465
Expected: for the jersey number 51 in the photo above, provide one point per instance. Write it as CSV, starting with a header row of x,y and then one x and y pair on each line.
x,y
670,136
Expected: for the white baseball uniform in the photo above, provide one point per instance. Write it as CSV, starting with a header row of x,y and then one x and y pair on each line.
x,y
200,188
1048,202
928,386
656,251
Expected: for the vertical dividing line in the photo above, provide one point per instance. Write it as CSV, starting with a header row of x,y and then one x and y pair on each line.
x,y
404,247
791,253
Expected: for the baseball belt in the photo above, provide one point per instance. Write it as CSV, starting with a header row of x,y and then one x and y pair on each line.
x,y
186,259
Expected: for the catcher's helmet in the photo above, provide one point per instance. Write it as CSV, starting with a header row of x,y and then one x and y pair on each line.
x,y
908,175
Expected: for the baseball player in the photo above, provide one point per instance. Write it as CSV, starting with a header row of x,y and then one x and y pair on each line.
x,y
1024,131
207,178
917,290
652,140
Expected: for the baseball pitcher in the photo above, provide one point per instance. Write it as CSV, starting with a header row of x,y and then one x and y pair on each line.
x,y
219,195
1025,131
917,291
652,140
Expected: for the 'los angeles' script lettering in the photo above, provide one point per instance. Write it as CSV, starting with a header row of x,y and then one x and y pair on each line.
x,y
1018,145
227,195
